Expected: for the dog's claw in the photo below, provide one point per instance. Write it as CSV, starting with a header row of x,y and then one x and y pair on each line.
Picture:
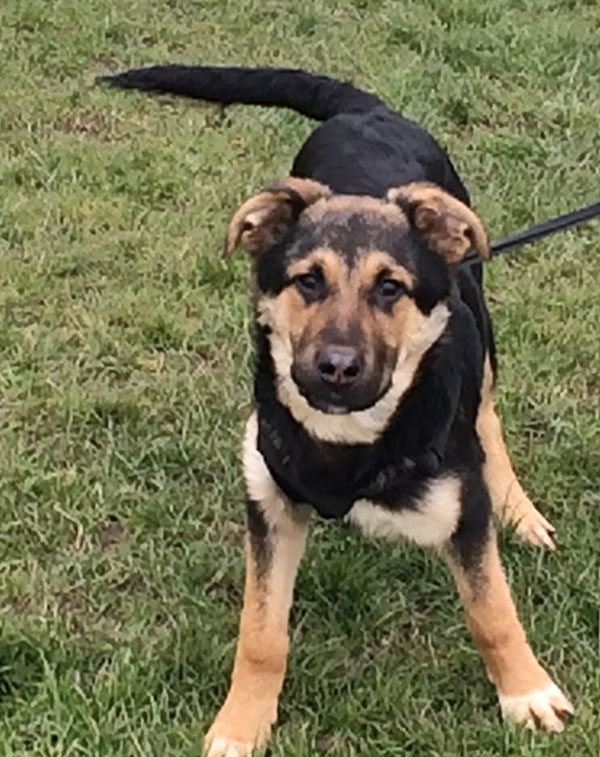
x,y
545,709
565,715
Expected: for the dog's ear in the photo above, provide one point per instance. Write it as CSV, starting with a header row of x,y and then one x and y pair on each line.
x,y
451,228
263,219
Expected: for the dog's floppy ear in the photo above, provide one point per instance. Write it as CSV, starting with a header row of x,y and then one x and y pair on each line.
x,y
451,228
263,219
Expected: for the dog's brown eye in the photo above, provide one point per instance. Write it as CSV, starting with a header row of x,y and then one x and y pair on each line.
x,y
311,285
390,289
308,281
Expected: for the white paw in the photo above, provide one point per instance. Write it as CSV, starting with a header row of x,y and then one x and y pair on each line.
x,y
237,732
547,709
535,529
220,747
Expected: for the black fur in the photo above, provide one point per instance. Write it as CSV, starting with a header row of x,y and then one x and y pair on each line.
x,y
366,153
364,147
260,536
317,97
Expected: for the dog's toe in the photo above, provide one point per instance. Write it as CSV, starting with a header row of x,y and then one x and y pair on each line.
x,y
535,529
545,709
236,732
220,747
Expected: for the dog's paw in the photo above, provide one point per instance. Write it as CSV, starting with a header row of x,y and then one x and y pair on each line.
x,y
545,709
535,529
222,747
240,728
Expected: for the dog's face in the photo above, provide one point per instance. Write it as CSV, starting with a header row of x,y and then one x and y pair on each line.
x,y
351,290
346,298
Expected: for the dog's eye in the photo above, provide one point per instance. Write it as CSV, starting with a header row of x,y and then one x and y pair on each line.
x,y
390,290
308,282
311,284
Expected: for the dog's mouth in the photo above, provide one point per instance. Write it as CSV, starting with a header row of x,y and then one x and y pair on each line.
x,y
340,401
336,410
332,405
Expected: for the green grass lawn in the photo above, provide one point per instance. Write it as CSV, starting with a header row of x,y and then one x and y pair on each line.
x,y
125,377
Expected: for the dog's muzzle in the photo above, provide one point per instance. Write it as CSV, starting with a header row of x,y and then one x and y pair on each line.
x,y
336,380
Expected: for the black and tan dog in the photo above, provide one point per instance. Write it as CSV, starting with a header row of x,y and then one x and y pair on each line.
x,y
374,380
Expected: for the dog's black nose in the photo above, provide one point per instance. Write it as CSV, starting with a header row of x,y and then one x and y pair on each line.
x,y
339,365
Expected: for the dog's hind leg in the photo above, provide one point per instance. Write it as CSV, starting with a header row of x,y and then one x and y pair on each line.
x,y
276,535
526,692
509,500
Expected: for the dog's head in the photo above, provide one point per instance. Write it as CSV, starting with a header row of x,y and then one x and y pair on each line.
x,y
352,291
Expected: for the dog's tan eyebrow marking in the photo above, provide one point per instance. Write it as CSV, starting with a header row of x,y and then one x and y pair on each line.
x,y
372,264
332,265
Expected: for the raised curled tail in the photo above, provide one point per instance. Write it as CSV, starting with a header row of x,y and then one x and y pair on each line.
x,y
317,97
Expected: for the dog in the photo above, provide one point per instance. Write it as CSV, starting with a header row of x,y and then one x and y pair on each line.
x,y
374,380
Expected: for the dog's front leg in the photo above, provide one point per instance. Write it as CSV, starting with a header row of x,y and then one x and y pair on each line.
x,y
509,500
276,534
526,692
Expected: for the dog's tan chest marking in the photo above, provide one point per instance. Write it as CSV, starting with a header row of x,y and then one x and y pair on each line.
x,y
430,523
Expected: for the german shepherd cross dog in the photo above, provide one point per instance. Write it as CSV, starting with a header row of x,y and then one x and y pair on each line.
x,y
374,380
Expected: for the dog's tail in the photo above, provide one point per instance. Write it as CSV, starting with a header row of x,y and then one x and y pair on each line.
x,y
317,97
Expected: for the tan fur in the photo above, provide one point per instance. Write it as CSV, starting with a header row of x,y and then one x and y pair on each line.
x,y
509,501
332,265
451,227
511,665
250,709
374,262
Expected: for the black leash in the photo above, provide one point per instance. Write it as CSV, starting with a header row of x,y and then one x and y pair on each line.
x,y
539,231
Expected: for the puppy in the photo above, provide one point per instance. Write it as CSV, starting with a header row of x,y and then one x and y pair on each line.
x,y
374,380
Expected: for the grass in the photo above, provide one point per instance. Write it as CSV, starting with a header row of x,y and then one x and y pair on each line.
x,y
126,377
